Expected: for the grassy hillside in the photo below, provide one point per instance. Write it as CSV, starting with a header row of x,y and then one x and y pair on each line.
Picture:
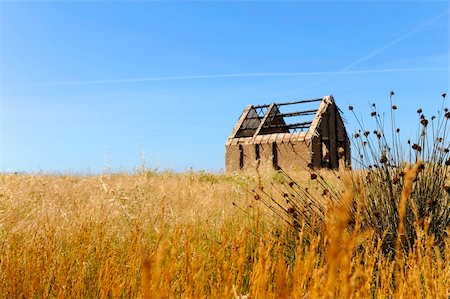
x,y
195,235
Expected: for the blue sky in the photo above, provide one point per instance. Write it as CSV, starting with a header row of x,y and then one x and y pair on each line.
x,y
87,85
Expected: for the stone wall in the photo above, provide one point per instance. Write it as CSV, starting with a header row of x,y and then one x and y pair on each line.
x,y
232,154
294,155
289,156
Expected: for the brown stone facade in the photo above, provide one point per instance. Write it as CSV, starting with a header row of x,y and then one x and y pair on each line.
x,y
288,155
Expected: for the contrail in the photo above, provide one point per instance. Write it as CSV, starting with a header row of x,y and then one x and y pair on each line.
x,y
383,48
218,76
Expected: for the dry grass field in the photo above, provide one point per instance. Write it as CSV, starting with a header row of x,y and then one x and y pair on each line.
x,y
381,231
195,235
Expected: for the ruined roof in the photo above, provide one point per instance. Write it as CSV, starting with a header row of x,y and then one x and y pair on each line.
x,y
296,120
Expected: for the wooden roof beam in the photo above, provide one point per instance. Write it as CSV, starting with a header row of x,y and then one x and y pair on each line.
x,y
299,113
288,103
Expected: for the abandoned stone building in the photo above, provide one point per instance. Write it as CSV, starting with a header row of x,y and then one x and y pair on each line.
x,y
289,136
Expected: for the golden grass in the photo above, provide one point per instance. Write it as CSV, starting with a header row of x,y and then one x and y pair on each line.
x,y
163,235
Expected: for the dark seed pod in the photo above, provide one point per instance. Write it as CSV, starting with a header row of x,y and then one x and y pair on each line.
x,y
394,107
373,114
395,180
350,108
313,176
419,110
417,147
291,211
432,203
